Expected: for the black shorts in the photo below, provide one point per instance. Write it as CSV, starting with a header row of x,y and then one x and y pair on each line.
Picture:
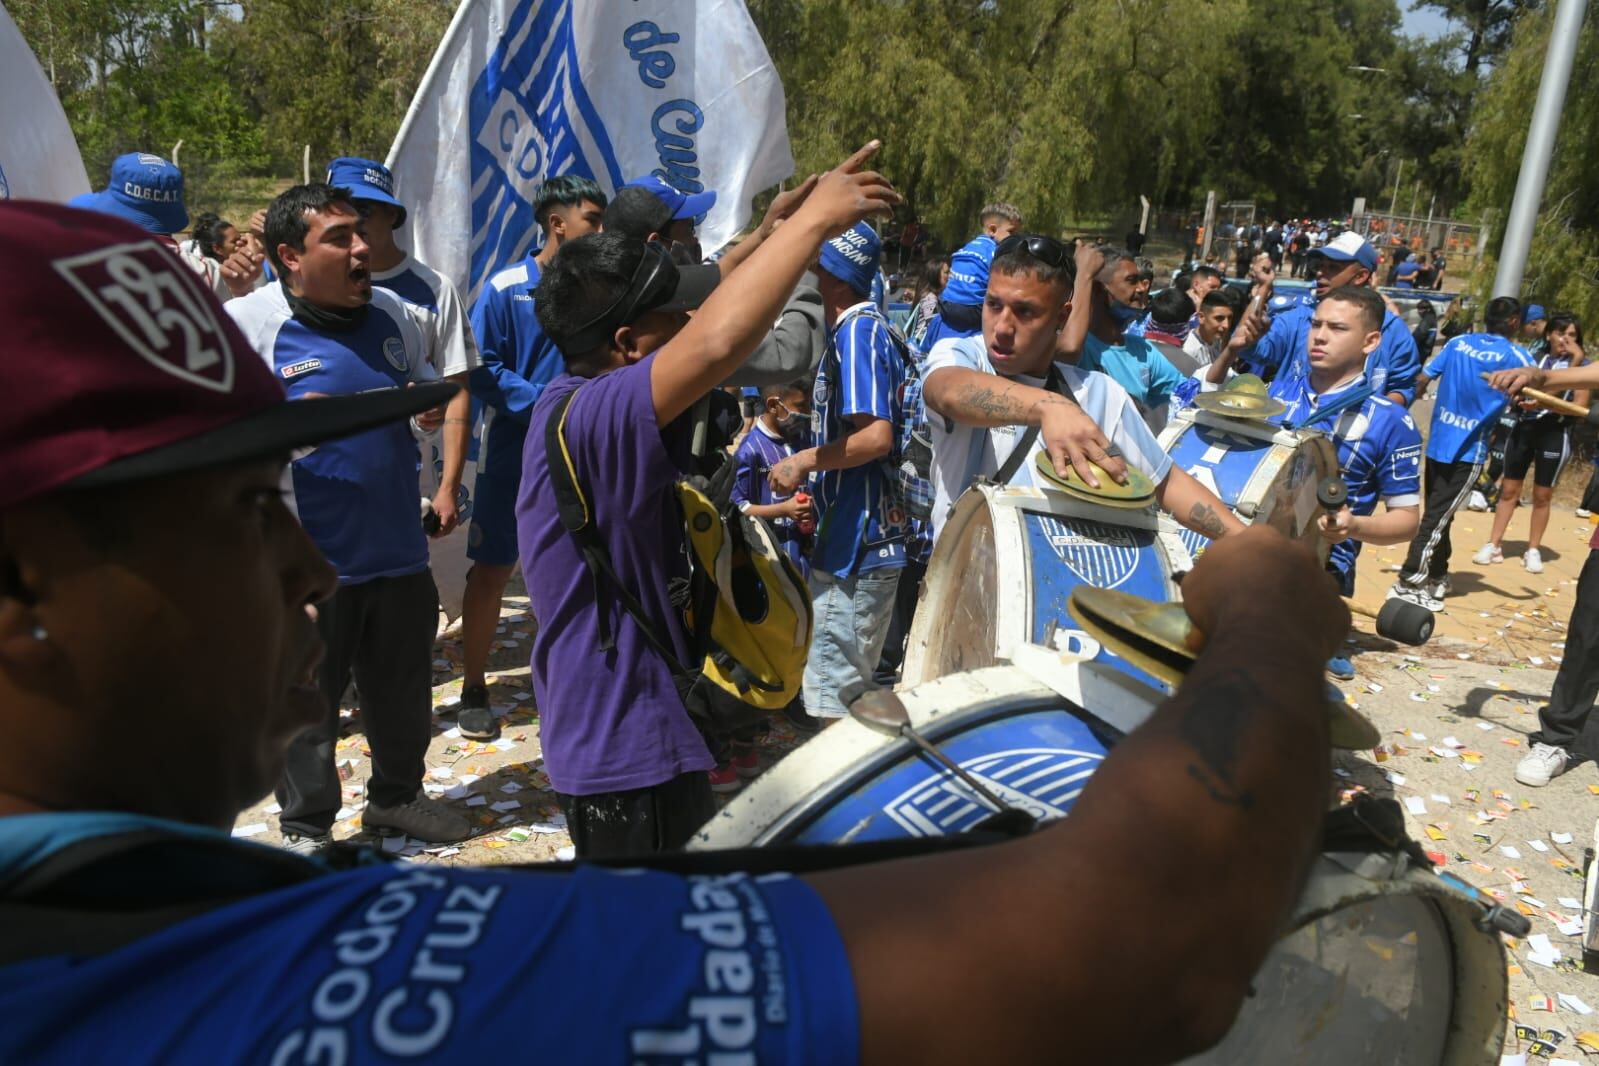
x,y
1540,443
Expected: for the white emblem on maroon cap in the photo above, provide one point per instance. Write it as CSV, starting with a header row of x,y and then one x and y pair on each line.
x,y
155,304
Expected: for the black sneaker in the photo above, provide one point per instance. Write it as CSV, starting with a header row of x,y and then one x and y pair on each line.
x,y
310,847
473,714
803,722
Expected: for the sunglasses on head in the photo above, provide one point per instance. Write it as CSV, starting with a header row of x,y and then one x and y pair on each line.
x,y
1046,250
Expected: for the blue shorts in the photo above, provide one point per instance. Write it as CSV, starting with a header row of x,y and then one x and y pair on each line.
x,y
491,540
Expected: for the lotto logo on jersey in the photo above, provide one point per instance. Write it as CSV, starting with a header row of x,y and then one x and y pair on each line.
x,y
156,306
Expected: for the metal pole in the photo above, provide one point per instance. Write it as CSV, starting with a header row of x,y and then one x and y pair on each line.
x,y
1210,225
1143,221
305,165
1393,204
1415,191
1540,146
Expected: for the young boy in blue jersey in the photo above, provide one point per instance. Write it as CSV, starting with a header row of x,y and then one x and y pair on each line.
x,y
861,526
960,304
519,360
137,927
1379,446
1348,259
325,330
1465,410
782,428
434,304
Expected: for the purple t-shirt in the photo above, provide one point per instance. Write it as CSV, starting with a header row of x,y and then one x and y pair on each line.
x,y
608,721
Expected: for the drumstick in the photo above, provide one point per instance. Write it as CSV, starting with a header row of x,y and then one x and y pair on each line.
x,y
1556,403
1396,619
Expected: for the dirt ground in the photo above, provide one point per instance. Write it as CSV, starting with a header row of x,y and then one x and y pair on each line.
x,y
1454,714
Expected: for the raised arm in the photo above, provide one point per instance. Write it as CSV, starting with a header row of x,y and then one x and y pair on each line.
x,y
973,398
1089,262
724,331
1223,789
782,206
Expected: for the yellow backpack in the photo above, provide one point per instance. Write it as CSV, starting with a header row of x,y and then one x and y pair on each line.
x,y
747,613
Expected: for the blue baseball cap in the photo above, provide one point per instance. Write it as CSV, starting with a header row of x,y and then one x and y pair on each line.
x,y
1533,313
968,272
145,190
683,204
852,257
1350,247
367,179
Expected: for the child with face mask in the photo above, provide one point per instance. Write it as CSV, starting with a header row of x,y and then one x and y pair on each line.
x,y
782,427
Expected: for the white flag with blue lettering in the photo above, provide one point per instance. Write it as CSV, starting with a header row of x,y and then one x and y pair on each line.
x,y
39,157
521,90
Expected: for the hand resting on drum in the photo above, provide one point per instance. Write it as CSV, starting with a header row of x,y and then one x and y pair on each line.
x,y
1153,904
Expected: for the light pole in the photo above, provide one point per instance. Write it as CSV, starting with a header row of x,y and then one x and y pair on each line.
x,y
1540,146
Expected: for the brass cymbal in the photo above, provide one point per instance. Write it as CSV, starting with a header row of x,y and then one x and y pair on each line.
x,y
1138,493
1240,404
1158,639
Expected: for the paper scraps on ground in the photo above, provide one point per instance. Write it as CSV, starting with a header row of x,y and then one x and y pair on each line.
x,y
1571,1002
253,829
1416,805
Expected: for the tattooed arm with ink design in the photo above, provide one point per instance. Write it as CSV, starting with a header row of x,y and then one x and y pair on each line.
x,y
1206,815
1072,439
1195,506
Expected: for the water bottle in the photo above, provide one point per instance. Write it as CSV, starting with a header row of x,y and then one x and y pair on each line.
x,y
807,522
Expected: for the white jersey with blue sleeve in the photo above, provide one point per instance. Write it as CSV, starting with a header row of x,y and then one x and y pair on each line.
x,y
963,453
356,497
436,307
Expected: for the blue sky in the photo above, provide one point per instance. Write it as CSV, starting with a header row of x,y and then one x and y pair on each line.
x,y
1424,23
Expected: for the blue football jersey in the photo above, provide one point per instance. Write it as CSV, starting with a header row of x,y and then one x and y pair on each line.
x,y
1466,405
1379,450
1285,351
357,497
518,359
394,963
860,525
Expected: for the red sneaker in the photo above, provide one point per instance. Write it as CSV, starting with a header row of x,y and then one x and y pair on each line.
x,y
747,764
725,779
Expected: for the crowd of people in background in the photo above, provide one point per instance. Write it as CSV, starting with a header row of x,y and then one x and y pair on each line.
x,y
828,400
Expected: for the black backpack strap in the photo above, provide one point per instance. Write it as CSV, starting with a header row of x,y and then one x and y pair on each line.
x,y
1054,382
572,504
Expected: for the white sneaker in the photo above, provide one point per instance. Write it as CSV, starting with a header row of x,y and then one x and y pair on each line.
x,y
1583,512
1542,764
1488,554
1533,561
1476,501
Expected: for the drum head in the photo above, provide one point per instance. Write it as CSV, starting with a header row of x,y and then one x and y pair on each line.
x,y
1026,741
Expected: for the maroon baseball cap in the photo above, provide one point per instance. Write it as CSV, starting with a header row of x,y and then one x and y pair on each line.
x,y
117,364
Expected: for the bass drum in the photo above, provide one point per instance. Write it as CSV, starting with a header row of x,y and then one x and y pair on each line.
x,y
1384,963
1006,563
1264,472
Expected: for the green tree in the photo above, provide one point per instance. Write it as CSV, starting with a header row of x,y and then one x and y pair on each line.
x,y
1563,267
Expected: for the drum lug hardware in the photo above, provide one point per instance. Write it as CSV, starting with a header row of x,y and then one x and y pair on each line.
x,y
881,711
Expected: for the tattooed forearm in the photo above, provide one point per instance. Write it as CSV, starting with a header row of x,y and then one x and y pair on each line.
x,y
1202,518
980,401
1213,724
1005,404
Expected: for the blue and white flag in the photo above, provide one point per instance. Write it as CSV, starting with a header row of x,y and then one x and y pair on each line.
x,y
39,157
522,90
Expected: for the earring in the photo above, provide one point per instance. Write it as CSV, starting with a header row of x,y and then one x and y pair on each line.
x,y
39,634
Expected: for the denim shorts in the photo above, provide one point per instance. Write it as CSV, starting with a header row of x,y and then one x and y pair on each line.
x,y
852,616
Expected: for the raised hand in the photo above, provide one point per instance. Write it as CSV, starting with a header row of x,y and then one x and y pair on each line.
x,y
847,194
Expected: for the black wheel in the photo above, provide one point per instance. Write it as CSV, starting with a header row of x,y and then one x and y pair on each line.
x,y
1408,623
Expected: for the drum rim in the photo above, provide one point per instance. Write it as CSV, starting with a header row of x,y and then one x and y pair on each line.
x,y
804,812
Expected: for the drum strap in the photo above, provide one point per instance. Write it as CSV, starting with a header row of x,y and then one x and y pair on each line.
x,y
1352,398
1056,383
